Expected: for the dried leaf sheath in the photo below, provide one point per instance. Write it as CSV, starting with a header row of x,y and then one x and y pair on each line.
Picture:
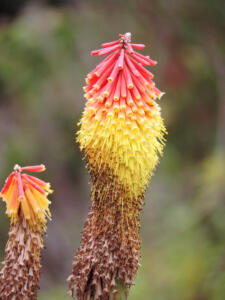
x,y
121,136
27,207
19,277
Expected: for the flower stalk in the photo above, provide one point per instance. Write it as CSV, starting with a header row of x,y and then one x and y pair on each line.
x,y
27,207
121,136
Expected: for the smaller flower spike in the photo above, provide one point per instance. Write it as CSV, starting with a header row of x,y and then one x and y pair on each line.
x,y
28,194
27,207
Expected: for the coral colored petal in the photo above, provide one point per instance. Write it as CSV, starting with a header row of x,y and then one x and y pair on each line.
x,y
121,60
128,78
32,201
136,93
38,168
138,84
138,46
130,50
109,101
140,60
7,183
105,45
95,52
87,88
40,182
128,112
108,50
36,186
146,81
105,64
20,185
123,86
103,78
8,194
123,105
13,201
141,69
108,89
114,73
116,107
129,99
26,208
117,89
43,202
131,66
158,93
146,58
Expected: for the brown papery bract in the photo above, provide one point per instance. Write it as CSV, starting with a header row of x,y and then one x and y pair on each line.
x,y
19,276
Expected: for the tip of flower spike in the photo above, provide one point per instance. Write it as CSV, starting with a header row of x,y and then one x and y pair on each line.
x,y
120,83
27,194
17,168
127,37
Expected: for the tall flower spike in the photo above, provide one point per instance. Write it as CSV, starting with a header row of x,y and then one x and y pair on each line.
x,y
27,207
121,136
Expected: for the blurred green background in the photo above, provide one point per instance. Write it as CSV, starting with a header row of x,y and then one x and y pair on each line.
x,y
44,57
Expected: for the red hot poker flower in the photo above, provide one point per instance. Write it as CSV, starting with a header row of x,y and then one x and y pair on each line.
x,y
28,193
121,135
27,207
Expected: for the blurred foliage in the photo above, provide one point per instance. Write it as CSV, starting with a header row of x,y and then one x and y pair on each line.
x,y
44,57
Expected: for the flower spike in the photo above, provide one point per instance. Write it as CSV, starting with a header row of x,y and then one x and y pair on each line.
x,y
121,135
27,207
17,181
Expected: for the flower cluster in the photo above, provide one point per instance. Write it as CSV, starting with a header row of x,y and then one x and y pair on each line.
x,y
26,193
121,136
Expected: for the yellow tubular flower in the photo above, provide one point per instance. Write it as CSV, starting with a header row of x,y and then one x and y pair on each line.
x,y
121,137
27,207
